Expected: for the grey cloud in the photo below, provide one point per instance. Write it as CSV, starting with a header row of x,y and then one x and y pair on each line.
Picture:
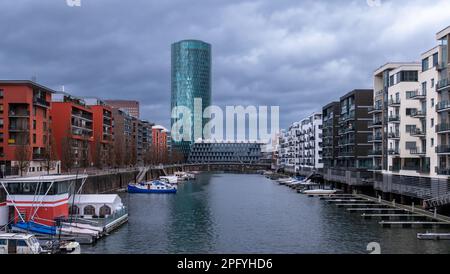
x,y
296,54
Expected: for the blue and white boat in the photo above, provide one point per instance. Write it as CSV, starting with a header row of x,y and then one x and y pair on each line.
x,y
152,187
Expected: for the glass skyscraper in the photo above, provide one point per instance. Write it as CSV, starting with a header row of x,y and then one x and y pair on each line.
x,y
191,78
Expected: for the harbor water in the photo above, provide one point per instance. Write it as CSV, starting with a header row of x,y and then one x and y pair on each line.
x,y
241,213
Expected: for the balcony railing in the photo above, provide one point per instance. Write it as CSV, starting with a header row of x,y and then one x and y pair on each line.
x,y
417,151
443,106
19,127
394,135
417,133
394,102
441,128
375,123
419,94
443,149
443,84
19,113
375,109
375,138
443,171
394,119
393,151
418,114
41,102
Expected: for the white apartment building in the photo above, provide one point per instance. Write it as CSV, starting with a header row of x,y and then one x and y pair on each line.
x,y
300,148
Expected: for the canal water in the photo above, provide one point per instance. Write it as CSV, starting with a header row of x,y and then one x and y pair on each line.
x,y
240,213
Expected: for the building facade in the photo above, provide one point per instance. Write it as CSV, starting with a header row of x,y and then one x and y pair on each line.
x,y
103,132
25,129
190,79
73,130
330,136
211,151
130,106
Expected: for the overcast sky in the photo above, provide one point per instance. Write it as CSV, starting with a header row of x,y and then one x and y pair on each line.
x,y
297,54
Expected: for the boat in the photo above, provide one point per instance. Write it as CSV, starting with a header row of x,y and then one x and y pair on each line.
x,y
184,176
433,236
152,187
319,192
173,180
25,243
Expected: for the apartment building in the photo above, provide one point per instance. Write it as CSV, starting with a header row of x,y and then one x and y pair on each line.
x,y
73,130
330,136
310,149
25,128
349,164
123,137
103,133
300,146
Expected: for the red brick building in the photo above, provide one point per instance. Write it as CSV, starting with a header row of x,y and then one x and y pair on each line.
x,y
25,126
73,130
102,147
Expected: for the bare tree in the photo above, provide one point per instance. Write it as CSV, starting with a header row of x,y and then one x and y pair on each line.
x,y
22,157
98,154
49,155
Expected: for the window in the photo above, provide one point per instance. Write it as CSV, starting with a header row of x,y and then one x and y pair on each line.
x,y
432,122
89,210
1,93
410,145
2,242
34,138
410,111
21,243
424,87
432,102
34,124
432,83
432,142
410,94
1,108
435,59
425,64
410,128
1,123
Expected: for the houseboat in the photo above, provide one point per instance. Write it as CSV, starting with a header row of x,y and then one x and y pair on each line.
x,y
51,207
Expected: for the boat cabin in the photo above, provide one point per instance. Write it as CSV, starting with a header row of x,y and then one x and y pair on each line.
x,y
11,243
41,199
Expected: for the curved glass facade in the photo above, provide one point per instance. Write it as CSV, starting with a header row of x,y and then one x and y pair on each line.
x,y
191,78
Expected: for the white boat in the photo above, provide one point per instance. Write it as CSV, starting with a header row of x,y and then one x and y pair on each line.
x,y
173,180
19,243
184,176
320,191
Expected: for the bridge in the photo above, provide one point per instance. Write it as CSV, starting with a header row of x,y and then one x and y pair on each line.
x,y
226,166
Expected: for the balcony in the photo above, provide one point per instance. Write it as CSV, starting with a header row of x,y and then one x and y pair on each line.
x,y
19,113
394,119
375,139
417,151
443,106
394,135
393,151
418,133
375,109
375,124
419,95
443,171
443,149
443,128
375,152
441,66
443,84
41,102
419,114
19,128
394,103
347,117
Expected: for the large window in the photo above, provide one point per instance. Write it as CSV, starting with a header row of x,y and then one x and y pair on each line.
x,y
425,64
435,59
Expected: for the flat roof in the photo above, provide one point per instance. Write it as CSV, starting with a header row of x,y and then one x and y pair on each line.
x,y
441,34
45,178
26,82
392,65
94,198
